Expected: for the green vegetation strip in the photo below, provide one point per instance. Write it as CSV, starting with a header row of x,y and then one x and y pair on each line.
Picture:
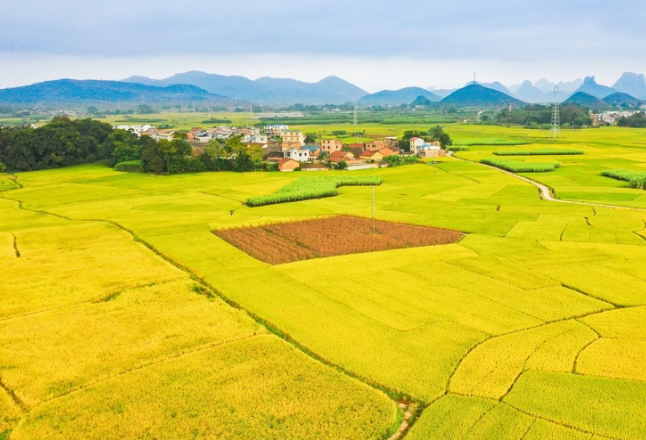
x,y
488,141
539,152
636,179
305,188
130,166
521,167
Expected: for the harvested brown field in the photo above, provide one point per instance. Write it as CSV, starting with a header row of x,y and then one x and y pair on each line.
x,y
280,243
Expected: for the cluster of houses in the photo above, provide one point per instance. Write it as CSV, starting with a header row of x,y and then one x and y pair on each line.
x,y
610,117
288,149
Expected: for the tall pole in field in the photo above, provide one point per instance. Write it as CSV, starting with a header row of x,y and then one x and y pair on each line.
x,y
356,123
555,129
373,209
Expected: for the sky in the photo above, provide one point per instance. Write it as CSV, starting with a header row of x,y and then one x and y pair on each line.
x,y
374,44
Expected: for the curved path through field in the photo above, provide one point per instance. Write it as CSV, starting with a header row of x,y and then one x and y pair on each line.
x,y
544,190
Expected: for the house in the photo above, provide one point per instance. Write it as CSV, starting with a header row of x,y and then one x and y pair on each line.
x,y
430,150
356,146
391,142
375,145
415,143
314,150
275,130
387,152
294,136
331,145
338,156
372,155
291,145
275,156
301,155
288,164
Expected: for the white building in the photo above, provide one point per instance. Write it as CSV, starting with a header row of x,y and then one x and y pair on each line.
x,y
255,138
275,130
429,150
415,143
300,155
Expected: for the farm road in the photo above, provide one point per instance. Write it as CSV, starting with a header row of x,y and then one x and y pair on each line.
x,y
544,190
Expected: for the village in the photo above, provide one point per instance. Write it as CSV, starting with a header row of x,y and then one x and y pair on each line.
x,y
292,150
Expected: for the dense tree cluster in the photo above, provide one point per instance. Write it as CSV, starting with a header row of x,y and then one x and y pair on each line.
x,y
64,142
637,120
535,116
59,143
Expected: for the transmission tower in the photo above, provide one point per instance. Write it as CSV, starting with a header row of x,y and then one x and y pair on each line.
x,y
555,130
356,124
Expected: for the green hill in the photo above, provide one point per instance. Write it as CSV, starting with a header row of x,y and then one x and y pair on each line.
x,y
477,95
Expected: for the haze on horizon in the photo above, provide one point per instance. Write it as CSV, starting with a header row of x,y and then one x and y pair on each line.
x,y
373,44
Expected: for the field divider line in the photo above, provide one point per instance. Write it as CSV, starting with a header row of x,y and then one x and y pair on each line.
x,y
564,425
93,300
15,244
529,428
573,318
161,360
14,398
541,345
589,295
395,395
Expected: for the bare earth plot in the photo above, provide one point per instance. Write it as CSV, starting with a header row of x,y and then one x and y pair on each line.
x,y
303,240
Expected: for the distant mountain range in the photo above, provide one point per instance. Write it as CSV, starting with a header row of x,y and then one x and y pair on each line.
x,y
330,90
397,97
200,88
607,102
95,92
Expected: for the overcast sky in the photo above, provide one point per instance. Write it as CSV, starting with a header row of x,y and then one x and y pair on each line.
x,y
375,44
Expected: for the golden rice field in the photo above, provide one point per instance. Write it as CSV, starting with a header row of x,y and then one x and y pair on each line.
x,y
114,324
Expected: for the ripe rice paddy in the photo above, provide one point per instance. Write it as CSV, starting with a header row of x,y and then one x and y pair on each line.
x,y
302,240
124,316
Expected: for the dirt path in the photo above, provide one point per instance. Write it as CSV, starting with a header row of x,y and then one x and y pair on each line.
x,y
545,192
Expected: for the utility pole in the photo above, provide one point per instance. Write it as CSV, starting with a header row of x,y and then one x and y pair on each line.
x,y
373,209
555,129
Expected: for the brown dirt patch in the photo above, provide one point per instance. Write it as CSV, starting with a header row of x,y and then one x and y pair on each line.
x,y
280,243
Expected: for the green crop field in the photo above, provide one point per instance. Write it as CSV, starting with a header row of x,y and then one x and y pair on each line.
x,y
123,316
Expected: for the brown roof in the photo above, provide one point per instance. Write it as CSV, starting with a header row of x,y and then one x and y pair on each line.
x,y
285,160
386,151
341,154
368,153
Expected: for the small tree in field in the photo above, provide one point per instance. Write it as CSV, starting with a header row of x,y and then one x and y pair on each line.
x,y
342,165
3,168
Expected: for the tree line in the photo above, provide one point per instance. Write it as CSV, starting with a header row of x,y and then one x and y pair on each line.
x,y
65,142
637,120
540,116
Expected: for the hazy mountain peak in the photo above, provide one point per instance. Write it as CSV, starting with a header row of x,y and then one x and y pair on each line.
x,y
631,83
591,87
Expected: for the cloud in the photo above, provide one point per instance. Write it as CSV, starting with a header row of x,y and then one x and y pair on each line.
x,y
303,34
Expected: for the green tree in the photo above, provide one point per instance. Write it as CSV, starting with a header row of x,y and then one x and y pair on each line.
x,y
92,110
435,133
445,140
151,156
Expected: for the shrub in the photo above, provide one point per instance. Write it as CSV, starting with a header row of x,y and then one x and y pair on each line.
x,y
521,167
488,141
636,179
130,166
396,160
305,188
